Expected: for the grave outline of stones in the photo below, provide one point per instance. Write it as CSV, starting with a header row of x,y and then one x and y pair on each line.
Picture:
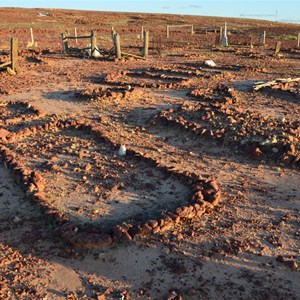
x,y
75,234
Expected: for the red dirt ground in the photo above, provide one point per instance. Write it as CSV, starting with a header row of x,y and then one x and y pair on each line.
x,y
175,110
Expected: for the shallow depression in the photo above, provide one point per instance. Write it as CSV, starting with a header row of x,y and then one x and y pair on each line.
x,y
88,181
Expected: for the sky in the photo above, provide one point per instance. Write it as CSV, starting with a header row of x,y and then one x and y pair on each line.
x,y
278,10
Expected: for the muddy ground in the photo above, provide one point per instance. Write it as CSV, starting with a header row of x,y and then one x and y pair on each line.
x,y
207,121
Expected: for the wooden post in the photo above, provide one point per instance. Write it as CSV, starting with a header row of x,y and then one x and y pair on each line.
x,y
75,31
65,43
31,34
93,43
277,48
146,44
251,42
117,46
192,30
221,33
264,38
168,31
14,54
113,34
298,40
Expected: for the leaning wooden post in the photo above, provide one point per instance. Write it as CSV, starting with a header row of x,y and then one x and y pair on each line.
x,y
264,38
117,46
93,43
298,40
251,42
277,48
146,44
64,43
14,54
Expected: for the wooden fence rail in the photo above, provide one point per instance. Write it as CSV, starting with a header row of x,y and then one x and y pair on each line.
x,y
117,46
93,42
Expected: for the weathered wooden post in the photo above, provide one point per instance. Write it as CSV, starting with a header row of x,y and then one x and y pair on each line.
x,y
113,33
65,44
117,46
146,44
277,48
298,40
93,43
192,30
14,54
251,42
264,38
168,31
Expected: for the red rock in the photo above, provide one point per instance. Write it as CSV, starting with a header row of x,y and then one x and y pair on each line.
x,y
206,204
146,229
198,196
120,234
256,153
175,218
166,227
185,212
3,133
156,230
153,223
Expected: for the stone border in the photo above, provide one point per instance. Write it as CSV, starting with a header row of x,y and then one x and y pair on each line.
x,y
286,153
206,194
221,93
37,112
120,79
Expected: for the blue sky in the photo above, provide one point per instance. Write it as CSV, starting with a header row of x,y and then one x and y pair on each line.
x,y
288,10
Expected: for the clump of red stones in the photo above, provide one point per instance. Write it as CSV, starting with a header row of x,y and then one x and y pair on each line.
x,y
261,137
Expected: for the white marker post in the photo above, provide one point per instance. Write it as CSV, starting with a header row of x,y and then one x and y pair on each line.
x,y
225,38
31,34
75,35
